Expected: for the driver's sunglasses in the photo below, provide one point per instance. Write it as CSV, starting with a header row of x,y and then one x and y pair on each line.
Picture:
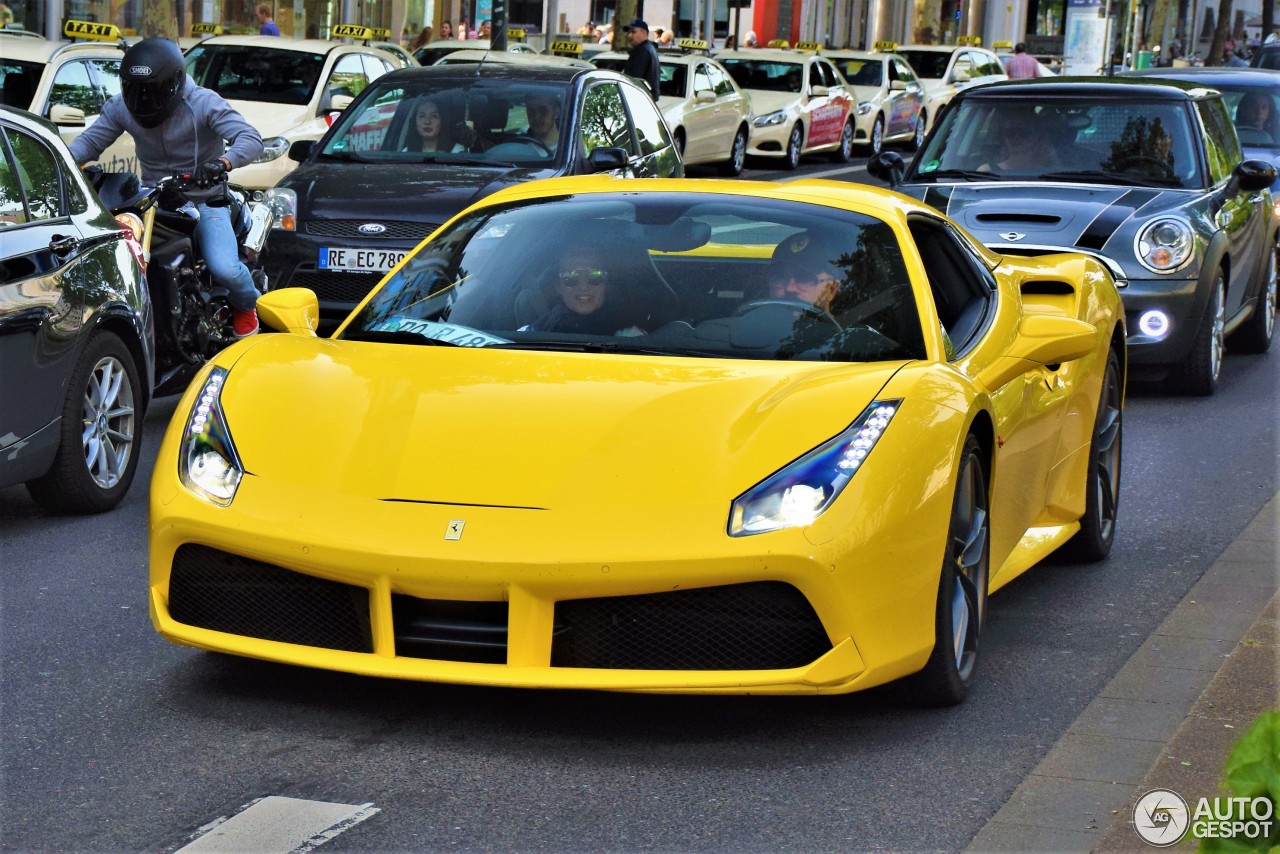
x,y
578,278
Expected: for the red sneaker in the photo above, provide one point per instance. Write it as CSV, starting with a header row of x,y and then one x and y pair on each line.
x,y
244,323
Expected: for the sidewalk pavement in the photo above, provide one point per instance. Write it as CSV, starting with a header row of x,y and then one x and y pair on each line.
x,y
1168,719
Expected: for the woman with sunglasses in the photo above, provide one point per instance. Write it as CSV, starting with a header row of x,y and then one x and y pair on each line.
x,y
588,303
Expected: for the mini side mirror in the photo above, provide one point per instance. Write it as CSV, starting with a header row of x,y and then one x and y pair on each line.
x,y
1254,175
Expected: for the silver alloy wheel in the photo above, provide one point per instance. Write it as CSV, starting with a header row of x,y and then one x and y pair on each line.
x,y
920,118
108,422
1269,296
794,144
1106,451
739,150
877,136
969,530
846,141
1217,343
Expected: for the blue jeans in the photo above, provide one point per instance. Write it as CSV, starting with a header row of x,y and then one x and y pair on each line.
x,y
216,240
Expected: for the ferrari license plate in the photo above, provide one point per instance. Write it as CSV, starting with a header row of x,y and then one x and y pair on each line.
x,y
366,260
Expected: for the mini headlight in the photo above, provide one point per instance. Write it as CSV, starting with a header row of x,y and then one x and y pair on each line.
x,y
284,208
208,464
801,491
775,118
864,107
1165,245
273,149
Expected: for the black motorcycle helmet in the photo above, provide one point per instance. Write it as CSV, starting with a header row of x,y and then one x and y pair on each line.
x,y
152,75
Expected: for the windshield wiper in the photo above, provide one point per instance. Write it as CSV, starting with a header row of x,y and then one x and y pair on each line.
x,y
967,174
1100,176
397,336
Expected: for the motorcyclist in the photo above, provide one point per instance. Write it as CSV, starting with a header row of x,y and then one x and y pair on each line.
x,y
180,128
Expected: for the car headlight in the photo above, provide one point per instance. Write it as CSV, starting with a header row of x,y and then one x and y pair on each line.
x,y
284,208
864,107
802,490
208,464
1165,245
775,118
273,149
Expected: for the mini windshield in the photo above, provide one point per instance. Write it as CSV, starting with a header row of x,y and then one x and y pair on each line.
x,y
1109,141
766,76
455,120
664,274
243,73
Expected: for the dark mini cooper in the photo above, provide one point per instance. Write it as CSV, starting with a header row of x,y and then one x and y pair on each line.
x,y
421,144
1147,175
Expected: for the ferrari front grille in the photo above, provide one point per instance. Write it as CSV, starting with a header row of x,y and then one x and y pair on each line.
x,y
212,589
766,625
414,231
335,287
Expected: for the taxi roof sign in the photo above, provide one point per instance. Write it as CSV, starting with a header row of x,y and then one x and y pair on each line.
x,y
885,47
813,46
206,29
1002,45
562,48
381,33
692,44
971,41
351,31
782,43
73,29
515,33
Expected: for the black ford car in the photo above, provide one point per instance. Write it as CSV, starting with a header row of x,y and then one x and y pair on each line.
x,y
1145,174
420,144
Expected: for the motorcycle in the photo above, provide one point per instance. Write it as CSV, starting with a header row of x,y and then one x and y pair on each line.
x,y
191,312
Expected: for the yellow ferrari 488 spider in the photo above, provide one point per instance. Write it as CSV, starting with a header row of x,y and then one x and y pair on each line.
x,y
663,436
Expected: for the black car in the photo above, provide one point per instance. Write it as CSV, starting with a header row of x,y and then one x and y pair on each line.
x,y
76,354
1147,175
367,192
1266,56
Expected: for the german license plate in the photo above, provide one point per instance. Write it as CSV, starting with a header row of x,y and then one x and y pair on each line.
x,y
361,260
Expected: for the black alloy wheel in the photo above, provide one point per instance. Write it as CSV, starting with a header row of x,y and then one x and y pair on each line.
x,y
1102,482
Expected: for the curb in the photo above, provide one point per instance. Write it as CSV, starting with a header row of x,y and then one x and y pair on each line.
x,y
1169,716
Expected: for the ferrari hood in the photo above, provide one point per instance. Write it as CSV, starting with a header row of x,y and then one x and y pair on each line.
x,y
529,429
1037,214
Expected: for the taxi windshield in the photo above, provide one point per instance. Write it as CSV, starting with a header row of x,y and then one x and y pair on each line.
x,y
453,120
1147,143
243,73
765,75
861,72
929,64
663,274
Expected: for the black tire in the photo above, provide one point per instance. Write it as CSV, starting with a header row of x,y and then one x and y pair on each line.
x,y
1198,375
844,153
962,589
732,167
917,141
1255,334
875,142
100,434
1102,483
794,144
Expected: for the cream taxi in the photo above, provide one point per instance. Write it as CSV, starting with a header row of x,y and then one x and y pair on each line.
x,y
945,69
708,114
67,82
890,97
801,102
289,89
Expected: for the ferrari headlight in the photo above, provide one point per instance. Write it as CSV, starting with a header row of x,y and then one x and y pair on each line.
x,y
802,490
864,107
284,208
272,149
207,460
1165,245
775,118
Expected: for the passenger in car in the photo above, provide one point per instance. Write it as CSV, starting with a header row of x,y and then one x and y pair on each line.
x,y
429,132
590,302
543,111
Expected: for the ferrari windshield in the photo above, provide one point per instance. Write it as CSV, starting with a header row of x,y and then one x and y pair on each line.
x,y
1109,141
244,73
693,274
454,119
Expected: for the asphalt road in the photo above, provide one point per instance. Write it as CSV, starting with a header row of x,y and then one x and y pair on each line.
x,y
114,740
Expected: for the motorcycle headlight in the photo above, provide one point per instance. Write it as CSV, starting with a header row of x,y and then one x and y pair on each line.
x,y
774,118
1165,245
804,489
284,208
864,107
208,464
273,149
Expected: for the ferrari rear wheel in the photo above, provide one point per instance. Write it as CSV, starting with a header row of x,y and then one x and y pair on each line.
x,y
1102,485
962,590
1198,375
1256,333
794,143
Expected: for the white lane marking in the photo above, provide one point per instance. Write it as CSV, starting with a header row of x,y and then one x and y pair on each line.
x,y
277,825
825,174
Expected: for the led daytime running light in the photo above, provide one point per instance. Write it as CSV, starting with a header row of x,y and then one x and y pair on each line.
x,y
208,462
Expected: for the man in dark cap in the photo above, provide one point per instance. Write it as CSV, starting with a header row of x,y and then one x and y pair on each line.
x,y
642,62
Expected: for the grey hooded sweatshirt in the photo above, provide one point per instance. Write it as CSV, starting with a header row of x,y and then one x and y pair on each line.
x,y
194,134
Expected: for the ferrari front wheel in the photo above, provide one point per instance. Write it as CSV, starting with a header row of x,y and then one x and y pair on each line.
x,y
962,589
1102,483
